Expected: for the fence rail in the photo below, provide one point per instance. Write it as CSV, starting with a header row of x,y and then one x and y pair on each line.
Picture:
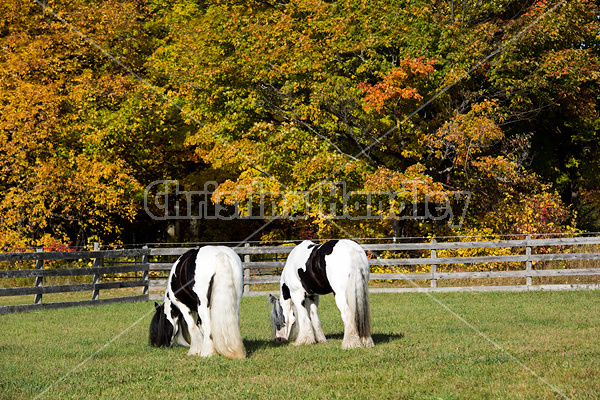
x,y
96,271
152,260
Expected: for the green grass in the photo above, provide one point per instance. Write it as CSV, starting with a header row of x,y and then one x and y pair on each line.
x,y
422,351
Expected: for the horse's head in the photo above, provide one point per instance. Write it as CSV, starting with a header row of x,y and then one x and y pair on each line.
x,y
162,329
282,318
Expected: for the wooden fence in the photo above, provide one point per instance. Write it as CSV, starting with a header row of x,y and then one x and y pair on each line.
x,y
96,271
262,265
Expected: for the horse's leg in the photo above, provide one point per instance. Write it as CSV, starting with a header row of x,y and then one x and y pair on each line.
x,y
180,338
313,305
194,331
306,334
351,339
208,346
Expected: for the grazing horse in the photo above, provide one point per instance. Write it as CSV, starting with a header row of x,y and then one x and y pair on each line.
x,y
202,304
338,266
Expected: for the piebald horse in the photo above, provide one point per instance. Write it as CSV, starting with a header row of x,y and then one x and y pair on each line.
x,y
337,266
202,304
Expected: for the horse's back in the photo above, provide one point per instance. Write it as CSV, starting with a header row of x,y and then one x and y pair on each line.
x,y
344,255
333,249
321,266
346,260
212,252
212,258
352,253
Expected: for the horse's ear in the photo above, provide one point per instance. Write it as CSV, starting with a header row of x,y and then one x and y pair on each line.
x,y
156,306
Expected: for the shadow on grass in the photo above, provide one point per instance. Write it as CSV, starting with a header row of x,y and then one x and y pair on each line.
x,y
386,337
378,338
253,346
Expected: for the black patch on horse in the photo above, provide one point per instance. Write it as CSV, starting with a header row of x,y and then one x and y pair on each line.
x,y
310,297
209,291
285,292
175,312
314,279
183,280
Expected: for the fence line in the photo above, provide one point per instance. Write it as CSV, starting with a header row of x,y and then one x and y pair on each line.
x,y
96,271
254,271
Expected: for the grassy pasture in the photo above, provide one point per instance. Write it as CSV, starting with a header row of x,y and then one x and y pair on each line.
x,y
423,351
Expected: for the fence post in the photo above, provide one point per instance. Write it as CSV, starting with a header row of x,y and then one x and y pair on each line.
x,y
246,271
39,280
96,264
433,266
146,286
528,263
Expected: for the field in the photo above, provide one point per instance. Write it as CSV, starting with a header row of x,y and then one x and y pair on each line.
x,y
533,345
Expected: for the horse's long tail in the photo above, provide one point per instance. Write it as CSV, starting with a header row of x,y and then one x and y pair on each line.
x,y
358,297
225,309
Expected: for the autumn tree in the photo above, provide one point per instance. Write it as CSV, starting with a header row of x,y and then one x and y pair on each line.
x,y
285,101
75,135
307,91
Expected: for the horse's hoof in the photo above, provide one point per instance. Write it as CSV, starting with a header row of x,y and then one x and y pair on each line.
x,y
367,342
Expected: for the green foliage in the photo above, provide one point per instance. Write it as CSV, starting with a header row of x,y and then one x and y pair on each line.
x,y
282,96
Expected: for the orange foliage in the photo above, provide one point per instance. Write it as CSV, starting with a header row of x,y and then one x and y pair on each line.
x,y
398,85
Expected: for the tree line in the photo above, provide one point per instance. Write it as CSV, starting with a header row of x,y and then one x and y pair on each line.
x,y
425,99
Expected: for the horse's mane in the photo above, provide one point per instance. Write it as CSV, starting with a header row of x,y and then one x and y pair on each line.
x,y
160,329
277,317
